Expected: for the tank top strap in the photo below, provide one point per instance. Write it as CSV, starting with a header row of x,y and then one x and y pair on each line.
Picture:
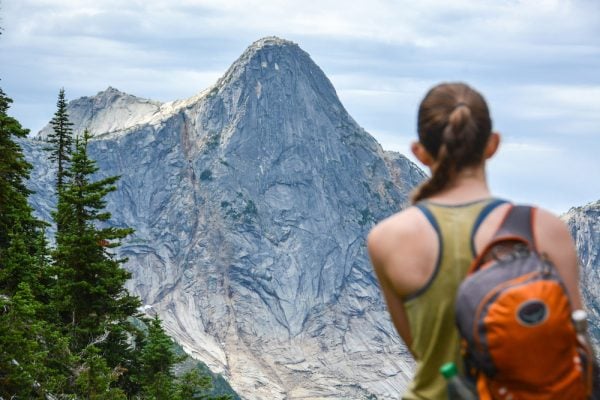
x,y
491,206
444,217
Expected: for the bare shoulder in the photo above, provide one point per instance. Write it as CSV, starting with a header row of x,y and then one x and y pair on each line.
x,y
551,230
403,250
394,230
553,239
393,251
401,222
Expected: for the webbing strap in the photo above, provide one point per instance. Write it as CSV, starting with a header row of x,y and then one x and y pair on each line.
x,y
518,222
516,226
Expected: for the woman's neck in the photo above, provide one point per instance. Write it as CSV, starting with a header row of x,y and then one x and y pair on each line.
x,y
469,185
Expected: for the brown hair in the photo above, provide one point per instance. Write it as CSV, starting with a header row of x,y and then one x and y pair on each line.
x,y
454,126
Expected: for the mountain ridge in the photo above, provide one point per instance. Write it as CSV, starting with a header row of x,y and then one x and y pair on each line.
x,y
251,202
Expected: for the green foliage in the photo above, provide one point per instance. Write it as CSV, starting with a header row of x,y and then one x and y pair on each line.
x,y
34,354
94,377
89,294
66,327
61,139
192,383
158,356
160,388
126,359
204,385
18,264
14,167
14,171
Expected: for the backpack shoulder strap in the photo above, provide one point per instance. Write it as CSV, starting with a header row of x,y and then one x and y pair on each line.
x,y
517,226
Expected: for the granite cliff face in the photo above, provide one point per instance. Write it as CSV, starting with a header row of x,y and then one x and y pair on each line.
x,y
251,202
584,223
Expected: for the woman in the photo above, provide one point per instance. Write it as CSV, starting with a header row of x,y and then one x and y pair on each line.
x,y
421,254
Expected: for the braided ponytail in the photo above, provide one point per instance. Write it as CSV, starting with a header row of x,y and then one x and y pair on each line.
x,y
454,126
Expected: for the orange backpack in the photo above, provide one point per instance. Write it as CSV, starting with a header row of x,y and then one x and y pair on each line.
x,y
514,316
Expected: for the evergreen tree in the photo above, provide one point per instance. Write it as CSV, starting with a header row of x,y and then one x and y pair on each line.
x,y
192,383
158,359
83,344
34,359
128,359
61,139
34,356
20,232
94,378
196,385
89,294
14,171
18,264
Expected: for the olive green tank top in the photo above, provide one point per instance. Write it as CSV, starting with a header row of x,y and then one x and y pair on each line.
x,y
430,310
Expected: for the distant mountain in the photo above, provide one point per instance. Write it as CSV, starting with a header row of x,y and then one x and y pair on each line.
x,y
584,223
108,111
251,203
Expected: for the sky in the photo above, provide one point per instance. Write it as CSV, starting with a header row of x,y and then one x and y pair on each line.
x,y
537,62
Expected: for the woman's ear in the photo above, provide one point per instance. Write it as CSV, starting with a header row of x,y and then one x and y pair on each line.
x,y
421,154
492,145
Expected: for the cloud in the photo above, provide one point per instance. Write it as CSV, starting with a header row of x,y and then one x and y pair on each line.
x,y
560,101
556,177
553,111
535,61
421,24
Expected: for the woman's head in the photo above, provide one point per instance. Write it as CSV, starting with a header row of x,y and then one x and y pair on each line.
x,y
454,127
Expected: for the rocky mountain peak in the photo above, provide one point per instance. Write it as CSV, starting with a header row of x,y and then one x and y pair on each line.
x,y
110,95
109,111
282,68
264,51
251,203
271,41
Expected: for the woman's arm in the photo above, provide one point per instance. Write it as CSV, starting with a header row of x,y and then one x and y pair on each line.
x,y
403,251
392,299
554,239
